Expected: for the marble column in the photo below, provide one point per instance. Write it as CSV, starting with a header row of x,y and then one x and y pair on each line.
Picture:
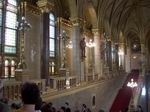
x,y
97,54
76,56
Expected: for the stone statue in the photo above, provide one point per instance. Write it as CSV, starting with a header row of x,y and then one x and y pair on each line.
x,y
82,47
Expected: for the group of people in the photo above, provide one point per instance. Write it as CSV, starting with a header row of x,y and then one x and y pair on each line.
x,y
32,102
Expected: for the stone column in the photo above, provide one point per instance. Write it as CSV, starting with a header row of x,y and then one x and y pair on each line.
x,y
86,64
109,55
97,54
114,64
117,56
128,61
45,7
102,53
76,56
122,55
143,58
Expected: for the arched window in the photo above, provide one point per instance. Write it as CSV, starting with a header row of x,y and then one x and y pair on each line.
x,y
6,68
8,34
10,26
12,68
52,44
51,35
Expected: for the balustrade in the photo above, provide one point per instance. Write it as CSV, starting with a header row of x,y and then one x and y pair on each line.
x,y
60,83
11,89
92,78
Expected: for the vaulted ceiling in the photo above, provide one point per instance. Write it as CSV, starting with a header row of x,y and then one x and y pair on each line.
x,y
131,17
124,15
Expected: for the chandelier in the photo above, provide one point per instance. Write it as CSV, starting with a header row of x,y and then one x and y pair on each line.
x,y
23,25
69,45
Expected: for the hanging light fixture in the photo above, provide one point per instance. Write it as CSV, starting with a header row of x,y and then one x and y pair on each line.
x,y
23,25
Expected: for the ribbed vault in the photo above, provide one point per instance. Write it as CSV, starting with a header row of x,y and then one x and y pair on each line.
x,y
124,16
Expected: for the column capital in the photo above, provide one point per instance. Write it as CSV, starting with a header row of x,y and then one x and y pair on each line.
x,y
33,9
76,21
64,21
45,5
98,31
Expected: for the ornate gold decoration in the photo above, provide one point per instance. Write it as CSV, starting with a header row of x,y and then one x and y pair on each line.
x,y
23,26
45,5
33,9
96,32
77,21
64,22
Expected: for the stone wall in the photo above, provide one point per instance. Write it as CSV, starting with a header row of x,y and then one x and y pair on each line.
x,y
104,93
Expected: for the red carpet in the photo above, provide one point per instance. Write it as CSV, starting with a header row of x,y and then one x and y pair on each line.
x,y
123,97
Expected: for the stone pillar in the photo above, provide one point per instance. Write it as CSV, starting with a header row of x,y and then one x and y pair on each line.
x,y
97,54
76,56
87,64
114,63
128,61
109,55
82,71
121,56
45,6
102,54
143,58
116,56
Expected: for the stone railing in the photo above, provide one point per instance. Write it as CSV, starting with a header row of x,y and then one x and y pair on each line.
x,y
11,89
60,83
91,78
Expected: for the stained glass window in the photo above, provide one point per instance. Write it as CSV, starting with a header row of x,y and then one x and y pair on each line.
x,y
10,27
51,35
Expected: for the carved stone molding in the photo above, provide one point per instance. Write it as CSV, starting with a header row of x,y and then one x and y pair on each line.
x,y
45,5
